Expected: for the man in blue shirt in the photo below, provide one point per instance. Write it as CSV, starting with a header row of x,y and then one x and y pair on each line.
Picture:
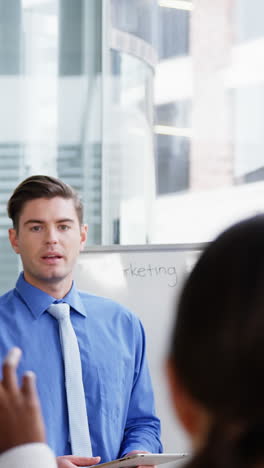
x,y
48,233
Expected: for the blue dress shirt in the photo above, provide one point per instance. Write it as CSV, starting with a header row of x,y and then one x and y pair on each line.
x,y
117,385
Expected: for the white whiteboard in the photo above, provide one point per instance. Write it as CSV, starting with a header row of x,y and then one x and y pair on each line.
x,y
147,280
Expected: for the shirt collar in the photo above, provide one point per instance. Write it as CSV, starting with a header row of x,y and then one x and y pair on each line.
x,y
38,301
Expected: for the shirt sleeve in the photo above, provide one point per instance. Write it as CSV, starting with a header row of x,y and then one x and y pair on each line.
x,y
142,431
34,455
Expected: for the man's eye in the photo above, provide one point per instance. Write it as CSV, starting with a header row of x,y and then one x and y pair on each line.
x,y
35,228
64,227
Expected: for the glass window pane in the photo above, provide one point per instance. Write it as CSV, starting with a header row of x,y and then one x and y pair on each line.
x,y
50,94
209,90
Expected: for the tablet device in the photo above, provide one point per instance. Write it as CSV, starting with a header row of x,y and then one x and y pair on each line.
x,y
137,459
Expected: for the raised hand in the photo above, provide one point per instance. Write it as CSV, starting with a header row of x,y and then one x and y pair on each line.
x,y
20,414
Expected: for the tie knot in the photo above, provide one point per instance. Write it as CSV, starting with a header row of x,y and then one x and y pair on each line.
x,y
59,311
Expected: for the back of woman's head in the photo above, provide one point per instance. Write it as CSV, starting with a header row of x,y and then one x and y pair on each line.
x,y
218,340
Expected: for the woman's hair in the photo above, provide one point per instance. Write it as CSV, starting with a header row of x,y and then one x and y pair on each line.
x,y
217,345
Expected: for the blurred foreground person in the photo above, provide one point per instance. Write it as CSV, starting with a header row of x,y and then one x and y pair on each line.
x,y
22,434
216,358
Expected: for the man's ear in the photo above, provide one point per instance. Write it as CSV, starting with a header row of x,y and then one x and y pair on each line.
x,y
13,239
84,231
185,406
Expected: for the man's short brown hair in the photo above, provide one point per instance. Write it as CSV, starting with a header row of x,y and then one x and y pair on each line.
x,y
41,186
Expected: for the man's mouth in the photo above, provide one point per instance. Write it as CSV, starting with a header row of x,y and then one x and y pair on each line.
x,y
51,258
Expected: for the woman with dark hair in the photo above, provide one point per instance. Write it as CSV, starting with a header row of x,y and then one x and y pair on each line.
x,y
216,357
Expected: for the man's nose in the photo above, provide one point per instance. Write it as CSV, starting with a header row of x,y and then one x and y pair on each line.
x,y
51,236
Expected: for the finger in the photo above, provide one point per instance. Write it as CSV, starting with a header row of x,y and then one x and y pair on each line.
x,y
13,356
85,461
29,388
62,463
80,461
9,369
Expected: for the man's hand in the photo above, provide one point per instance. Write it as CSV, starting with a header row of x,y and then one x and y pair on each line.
x,y
140,466
71,461
20,415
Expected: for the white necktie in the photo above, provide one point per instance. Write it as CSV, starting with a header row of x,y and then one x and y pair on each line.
x,y
78,421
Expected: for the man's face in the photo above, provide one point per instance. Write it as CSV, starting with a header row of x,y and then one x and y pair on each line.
x,y
49,239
